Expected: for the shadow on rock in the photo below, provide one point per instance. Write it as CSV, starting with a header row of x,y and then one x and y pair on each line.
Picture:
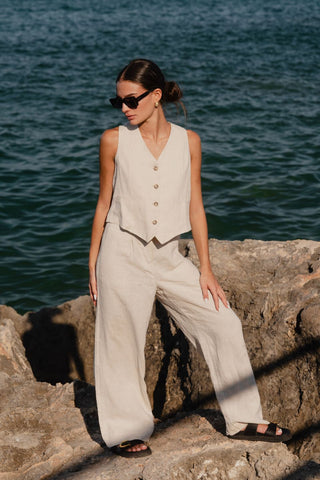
x,y
171,342
85,400
51,347
308,471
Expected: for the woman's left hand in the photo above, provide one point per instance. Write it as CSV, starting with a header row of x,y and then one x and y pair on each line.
x,y
209,282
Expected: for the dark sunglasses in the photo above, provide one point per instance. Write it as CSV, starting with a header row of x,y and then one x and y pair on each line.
x,y
131,102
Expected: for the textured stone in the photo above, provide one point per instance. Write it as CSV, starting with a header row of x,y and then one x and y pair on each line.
x,y
12,354
274,288
309,321
59,341
192,448
41,428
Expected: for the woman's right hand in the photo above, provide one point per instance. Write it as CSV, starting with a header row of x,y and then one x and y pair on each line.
x,y
93,288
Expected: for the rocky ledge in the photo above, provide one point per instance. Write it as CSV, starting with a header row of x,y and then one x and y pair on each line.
x,y
48,419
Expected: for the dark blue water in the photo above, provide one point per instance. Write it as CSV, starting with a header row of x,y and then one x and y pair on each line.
x,y
250,74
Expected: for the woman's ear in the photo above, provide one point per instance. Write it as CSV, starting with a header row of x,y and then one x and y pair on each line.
x,y
157,95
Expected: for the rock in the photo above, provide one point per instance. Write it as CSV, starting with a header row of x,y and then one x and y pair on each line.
x,y
274,288
42,427
42,431
191,447
309,322
13,361
59,341
18,320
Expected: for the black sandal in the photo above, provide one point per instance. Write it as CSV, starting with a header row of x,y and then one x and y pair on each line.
x,y
121,449
270,435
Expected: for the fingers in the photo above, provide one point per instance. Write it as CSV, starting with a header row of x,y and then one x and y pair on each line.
x,y
205,293
215,290
223,297
204,289
93,293
215,299
217,294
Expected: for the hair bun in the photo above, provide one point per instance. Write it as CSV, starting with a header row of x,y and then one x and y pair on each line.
x,y
172,92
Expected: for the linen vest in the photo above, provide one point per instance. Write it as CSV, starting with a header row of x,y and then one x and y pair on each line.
x,y
151,196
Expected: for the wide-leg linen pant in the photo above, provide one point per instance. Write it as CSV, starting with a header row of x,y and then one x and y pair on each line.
x,y
130,274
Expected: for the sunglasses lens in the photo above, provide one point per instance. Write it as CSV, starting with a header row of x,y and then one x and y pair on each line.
x,y
131,102
116,102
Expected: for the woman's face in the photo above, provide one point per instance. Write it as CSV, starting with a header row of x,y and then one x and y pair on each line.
x,y
146,106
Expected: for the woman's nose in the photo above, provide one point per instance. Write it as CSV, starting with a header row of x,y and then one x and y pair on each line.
x,y
125,108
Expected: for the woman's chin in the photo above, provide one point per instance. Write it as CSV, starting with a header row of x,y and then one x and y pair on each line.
x,y
132,119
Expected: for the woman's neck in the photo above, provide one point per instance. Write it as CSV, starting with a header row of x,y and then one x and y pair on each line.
x,y
156,126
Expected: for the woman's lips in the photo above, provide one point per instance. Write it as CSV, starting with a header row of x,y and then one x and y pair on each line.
x,y
130,117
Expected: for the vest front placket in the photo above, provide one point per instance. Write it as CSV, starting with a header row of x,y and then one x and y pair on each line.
x,y
156,198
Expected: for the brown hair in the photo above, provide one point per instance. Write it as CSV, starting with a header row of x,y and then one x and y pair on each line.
x,y
148,74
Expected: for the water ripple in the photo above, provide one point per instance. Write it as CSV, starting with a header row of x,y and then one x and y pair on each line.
x,y
250,73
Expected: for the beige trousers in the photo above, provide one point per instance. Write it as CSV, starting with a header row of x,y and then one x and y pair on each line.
x,y
130,274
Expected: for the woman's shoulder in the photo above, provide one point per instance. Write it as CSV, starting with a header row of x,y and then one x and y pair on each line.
x,y
109,141
110,135
194,138
110,138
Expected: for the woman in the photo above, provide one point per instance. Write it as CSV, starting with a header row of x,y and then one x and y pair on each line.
x,y
150,193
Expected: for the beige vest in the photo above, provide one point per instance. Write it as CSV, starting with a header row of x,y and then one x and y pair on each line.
x,y
151,197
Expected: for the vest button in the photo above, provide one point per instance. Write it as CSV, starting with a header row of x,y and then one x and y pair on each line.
x,y
155,204
155,186
155,167
154,222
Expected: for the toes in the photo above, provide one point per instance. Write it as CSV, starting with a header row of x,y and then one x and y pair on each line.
x,y
137,448
142,447
262,427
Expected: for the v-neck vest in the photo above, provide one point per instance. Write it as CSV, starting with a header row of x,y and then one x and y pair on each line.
x,y
151,197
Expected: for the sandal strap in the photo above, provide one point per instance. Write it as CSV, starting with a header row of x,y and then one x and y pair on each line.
x,y
272,429
251,429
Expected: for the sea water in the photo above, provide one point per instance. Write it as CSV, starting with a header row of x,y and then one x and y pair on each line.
x,y
249,70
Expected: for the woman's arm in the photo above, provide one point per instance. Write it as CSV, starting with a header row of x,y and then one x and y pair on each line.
x,y
199,225
108,148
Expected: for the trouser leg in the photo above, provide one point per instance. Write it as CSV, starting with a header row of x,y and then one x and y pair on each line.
x,y
125,299
219,334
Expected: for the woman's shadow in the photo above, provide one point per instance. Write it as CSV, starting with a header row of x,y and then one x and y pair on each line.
x,y
52,351
51,348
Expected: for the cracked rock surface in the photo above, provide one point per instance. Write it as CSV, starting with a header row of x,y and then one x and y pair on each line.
x,y
48,420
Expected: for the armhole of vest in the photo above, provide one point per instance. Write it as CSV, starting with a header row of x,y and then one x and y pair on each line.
x,y
118,147
187,144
